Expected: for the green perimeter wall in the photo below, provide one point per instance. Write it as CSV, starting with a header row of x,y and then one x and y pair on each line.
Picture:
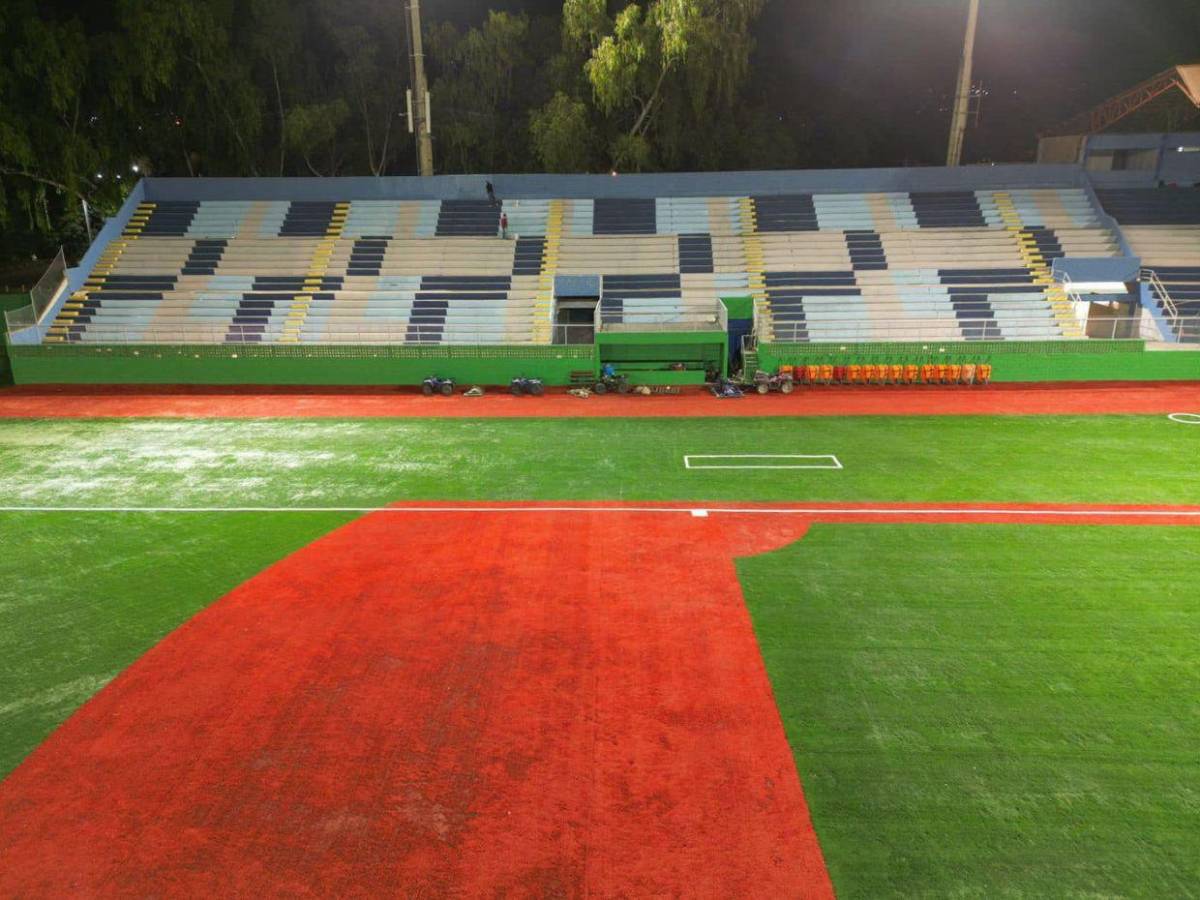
x,y
645,356
316,365
1010,360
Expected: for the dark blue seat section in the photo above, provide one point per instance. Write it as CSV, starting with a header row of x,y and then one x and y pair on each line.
x,y
170,218
295,283
1046,241
786,212
1152,206
866,251
477,218
788,315
947,209
975,314
1005,280
616,289
786,292
817,279
1182,283
695,254
427,321
307,218
616,216
205,257
471,283
366,256
132,282
427,318
527,258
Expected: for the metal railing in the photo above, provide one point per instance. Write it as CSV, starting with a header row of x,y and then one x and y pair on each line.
x,y
325,333
41,297
1175,320
852,331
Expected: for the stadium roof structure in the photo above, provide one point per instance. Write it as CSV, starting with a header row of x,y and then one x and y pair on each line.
x,y
1115,108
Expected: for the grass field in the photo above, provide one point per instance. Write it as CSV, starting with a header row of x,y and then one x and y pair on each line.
x,y
969,706
370,462
985,711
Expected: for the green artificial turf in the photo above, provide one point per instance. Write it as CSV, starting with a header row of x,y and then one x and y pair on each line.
x,y
369,462
84,595
991,711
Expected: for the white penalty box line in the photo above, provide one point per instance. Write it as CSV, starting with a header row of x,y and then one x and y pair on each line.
x,y
761,461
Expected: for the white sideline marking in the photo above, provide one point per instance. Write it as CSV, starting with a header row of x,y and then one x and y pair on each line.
x,y
700,513
835,463
1185,418
731,510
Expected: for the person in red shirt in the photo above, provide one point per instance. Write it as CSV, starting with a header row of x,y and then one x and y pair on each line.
x,y
504,226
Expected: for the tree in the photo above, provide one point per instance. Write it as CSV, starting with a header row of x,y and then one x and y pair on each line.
x,y
562,135
311,131
52,150
688,57
479,111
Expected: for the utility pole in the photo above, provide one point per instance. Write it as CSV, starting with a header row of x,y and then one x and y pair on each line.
x,y
962,96
418,95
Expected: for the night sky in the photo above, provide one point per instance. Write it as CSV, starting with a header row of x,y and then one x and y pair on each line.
x,y
880,73
889,66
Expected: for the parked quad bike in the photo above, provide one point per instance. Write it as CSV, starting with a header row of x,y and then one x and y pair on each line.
x,y
618,383
531,386
764,383
435,385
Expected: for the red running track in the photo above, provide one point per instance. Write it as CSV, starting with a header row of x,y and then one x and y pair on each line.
x,y
1090,398
439,704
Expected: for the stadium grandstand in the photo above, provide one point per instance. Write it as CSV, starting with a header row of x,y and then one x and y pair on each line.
x,y
676,275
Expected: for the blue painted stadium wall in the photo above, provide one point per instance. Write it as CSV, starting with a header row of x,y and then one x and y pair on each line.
x,y
702,184
1177,162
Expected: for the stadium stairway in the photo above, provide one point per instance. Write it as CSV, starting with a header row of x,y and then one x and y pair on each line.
x,y
1162,226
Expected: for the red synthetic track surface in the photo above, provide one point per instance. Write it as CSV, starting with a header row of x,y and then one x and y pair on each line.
x,y
439,704
1090,398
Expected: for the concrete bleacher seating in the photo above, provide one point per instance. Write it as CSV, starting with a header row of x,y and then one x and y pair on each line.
x,y
949,265
1162,226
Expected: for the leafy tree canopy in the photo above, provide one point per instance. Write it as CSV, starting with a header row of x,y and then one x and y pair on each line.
x,y
95,96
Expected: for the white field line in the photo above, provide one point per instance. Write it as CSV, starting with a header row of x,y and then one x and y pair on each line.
x,y
1185,418
1084,511
753,461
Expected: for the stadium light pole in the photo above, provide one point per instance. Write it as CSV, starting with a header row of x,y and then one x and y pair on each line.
x,y
962,95
418,94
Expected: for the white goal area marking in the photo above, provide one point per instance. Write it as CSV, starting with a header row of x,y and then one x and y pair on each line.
x,y
761,461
